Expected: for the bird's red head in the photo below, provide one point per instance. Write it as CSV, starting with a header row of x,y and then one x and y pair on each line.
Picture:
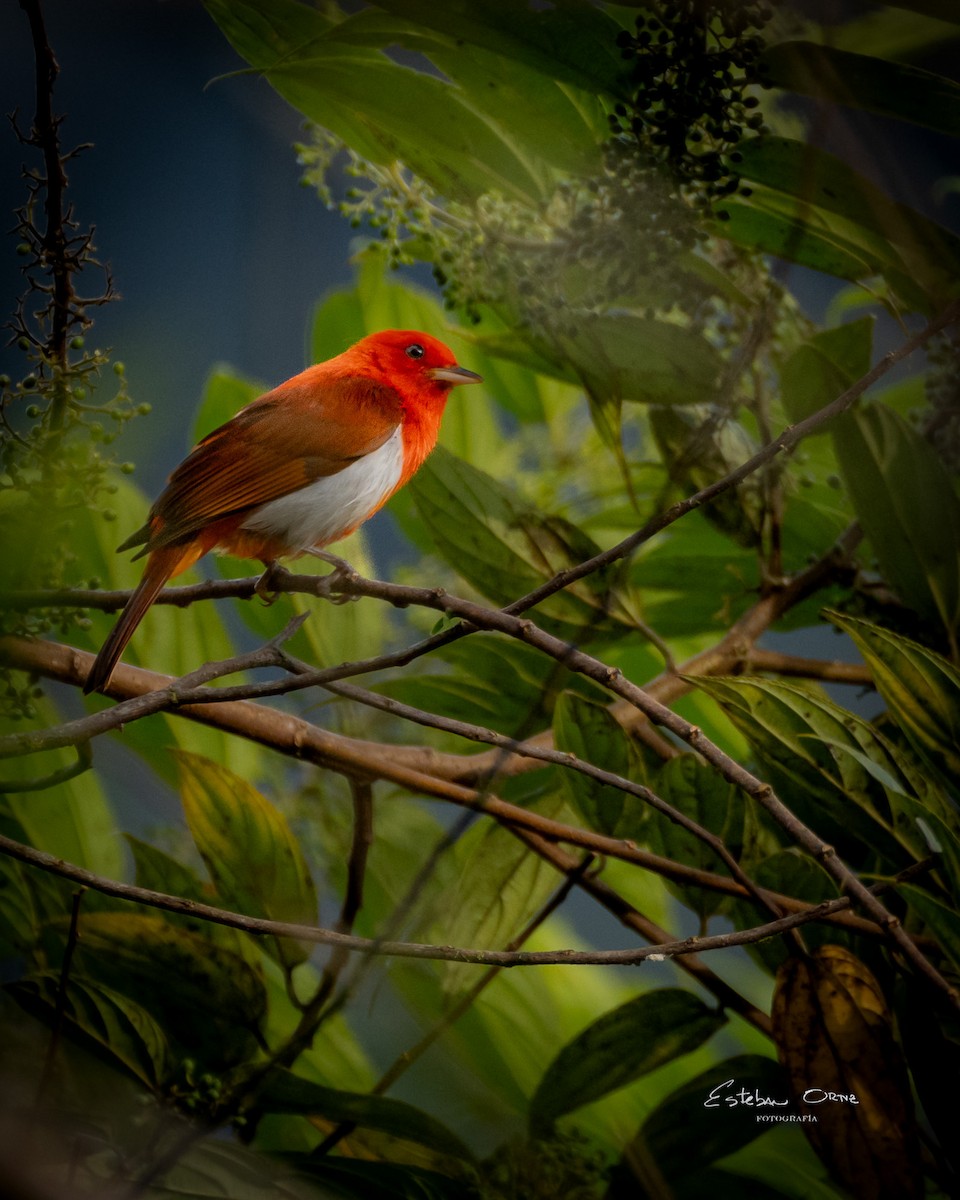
x,y
413,362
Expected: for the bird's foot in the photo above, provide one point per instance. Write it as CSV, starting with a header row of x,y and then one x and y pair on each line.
x,y
265,587
342,571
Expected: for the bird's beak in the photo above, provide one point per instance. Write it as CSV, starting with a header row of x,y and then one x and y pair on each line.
x,y
454,375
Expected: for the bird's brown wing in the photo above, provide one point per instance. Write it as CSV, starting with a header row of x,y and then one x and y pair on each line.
x,y
306,428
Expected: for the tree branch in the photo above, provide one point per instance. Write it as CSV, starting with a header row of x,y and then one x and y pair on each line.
x,y
354,758
350,943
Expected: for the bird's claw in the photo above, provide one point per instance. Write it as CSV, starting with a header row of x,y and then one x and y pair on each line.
x,y
342,572
265,587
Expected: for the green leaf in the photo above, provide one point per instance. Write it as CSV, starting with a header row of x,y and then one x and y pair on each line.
x,y
941,10
875,84
500,885
791,730
116,1029
622,1046
587,730
207,998
625,356
286,1092
505,548
159,872
815,177
551,121
575,45
699,454
791,873
254,860
353,1180
74,820
696,1124
224,394
825,366
768,222
942,921
493,681
382,110
904,498
217,1169
700,793
693,579
920,688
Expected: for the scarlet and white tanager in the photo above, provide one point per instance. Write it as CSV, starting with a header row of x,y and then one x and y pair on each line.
x,y
300,467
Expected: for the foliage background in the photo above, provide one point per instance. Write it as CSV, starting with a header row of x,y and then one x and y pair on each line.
x,y
480,1079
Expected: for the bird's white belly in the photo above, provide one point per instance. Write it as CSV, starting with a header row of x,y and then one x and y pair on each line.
x,y
326,509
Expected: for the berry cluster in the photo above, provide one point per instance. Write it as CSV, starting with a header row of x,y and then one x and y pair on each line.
x,y
695,63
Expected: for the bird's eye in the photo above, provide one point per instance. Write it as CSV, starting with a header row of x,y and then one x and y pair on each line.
x,y
414,351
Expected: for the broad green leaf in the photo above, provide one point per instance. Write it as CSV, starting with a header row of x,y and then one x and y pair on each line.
x,y
897,33
587,730
620,1047
792,873
941,10
932,834
493,681
382,110
286,1092
224,394
30,899
878,85
576,45
114,1027
769,221
159,872
703,1120
19,919
921,690
698,455
698,792
500,885
551,120
350,1179
791,729
905,501
825,366
693,579
73,820
207,999
942,921
625,356
816,177
217,1169
254,860
505,548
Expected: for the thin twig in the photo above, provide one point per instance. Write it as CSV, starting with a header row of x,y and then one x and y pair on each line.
x,y
568,761
354,758
263,927
82,763
464,1003
60,1012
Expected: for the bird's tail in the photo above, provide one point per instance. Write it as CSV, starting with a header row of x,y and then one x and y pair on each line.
x,y
161,564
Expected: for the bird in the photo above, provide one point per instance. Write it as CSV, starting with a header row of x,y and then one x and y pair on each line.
x,y
300,467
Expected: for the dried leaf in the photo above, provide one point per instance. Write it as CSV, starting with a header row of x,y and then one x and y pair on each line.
x,y
834,1035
